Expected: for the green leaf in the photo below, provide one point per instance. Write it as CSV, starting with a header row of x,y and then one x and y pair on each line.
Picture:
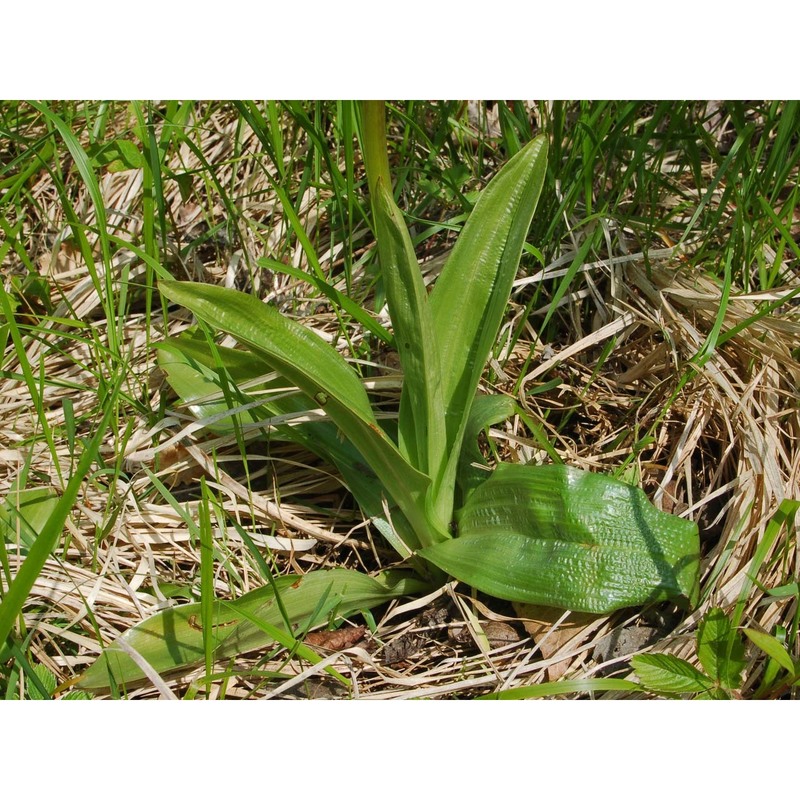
x,y
48,681
471,295
558,536
117,155
298,353
84,167
185,182
666,674
487,409
187,362
421,422
774,649
287,640
303,358
579,686
206,381
720,650
173,639
49,535
784,517
333,294
787,590
374,143
25,513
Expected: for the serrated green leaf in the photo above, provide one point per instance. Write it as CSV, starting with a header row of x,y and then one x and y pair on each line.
x,y
666,674
720,650
773,648
172,639
48,681
558,536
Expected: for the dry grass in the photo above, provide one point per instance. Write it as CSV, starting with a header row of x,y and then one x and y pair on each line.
x,y
722,447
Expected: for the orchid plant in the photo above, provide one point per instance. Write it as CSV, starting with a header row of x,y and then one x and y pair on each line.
x,y
544,534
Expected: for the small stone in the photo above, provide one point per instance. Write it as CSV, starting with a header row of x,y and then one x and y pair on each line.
x,y
623,643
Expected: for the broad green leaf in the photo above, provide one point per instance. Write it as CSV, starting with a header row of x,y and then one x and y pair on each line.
x,y
185,359
558,536
25,513
116,155
720,650
471,295
242,365
200,388
303,358
421,424
173,639
774,649
212,385
298,353
666,674
288,641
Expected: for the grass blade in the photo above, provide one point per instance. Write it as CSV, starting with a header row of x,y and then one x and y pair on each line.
x,y
86,171
579,686
206,575
45,542
774,649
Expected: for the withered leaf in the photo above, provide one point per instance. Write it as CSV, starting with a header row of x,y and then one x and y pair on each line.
x,y
336,640
539,622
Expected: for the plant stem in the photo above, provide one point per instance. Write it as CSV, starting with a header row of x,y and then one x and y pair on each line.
x,y
376,158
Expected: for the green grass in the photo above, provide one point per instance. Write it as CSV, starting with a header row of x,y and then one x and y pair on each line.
x,y
222,192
